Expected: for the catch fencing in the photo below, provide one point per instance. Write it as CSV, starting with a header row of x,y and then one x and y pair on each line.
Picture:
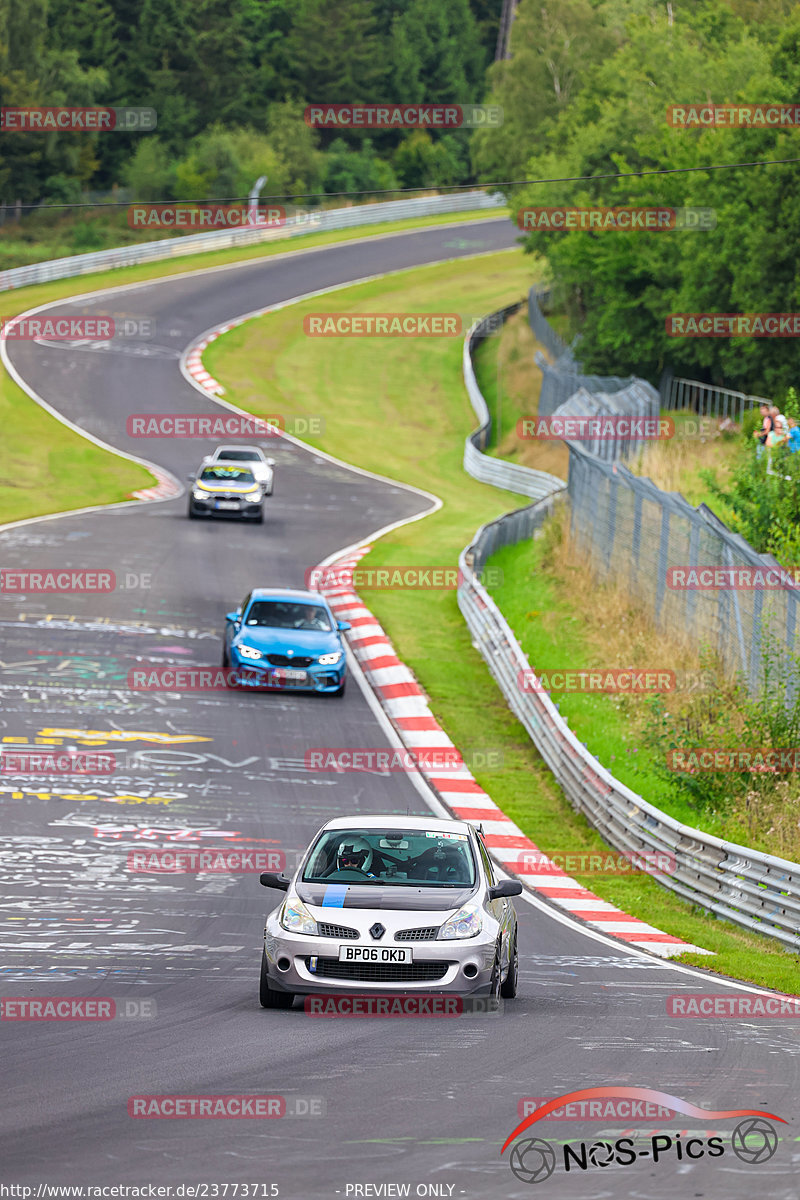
x,y
759,892
633,532
706,399
563,377
756,891
322,221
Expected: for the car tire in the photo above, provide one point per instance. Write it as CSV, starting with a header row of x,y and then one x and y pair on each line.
x,y
508,988
340,690
260,518
191,513
494,982
268,996
226,658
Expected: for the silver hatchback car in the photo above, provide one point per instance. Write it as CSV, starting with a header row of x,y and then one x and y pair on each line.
x,y
391,904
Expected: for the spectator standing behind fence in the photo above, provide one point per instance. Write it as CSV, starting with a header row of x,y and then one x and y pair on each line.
x,y
794,435
767,427
781,427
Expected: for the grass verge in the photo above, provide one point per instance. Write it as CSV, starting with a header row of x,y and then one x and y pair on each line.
x,y
49,468
406,415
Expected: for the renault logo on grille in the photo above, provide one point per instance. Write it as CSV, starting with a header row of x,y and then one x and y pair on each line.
x,y
377,930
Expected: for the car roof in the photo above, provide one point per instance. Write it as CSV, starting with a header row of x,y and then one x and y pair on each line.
x,y
393,821
301,594
222,449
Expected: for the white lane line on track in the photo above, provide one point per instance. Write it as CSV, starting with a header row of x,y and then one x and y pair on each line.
x,y
353,549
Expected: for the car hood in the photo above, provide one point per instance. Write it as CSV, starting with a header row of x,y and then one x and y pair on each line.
x,y
328,900
280,641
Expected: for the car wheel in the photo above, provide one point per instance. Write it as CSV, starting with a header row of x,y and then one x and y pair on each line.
x,y
508,988
191,513
268,997
340,690
260,518
494,982
226,658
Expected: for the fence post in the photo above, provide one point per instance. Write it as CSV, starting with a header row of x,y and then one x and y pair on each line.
x,y
661,578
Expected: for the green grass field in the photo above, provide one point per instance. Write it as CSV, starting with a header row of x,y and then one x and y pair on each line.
x,y
48,467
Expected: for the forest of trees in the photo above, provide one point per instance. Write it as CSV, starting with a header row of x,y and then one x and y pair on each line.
x,y
229,80
584,94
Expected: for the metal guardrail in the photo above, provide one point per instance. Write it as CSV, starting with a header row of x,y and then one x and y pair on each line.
x,y
323,221
706,399
757,891
483,467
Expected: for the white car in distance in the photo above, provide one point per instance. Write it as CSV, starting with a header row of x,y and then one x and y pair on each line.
x,y
253,456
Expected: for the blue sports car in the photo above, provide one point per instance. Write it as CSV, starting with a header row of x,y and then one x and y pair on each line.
x,y
282,638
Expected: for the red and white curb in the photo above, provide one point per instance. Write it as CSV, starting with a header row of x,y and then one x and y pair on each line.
x,y
165,489
194,365
404,702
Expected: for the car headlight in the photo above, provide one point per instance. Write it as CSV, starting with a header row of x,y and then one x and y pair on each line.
x,y
296,918
253,497
330,660
199,494
466,923
249,652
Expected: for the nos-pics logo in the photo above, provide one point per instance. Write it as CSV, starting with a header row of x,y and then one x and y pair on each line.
x,y
753,1141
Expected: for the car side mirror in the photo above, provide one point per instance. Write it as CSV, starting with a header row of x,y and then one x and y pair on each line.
x,y
506,887
190,478
270,880
270,462
343,626
234,617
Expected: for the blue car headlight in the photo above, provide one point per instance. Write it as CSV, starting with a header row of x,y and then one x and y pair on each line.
x,y
249,652
330,660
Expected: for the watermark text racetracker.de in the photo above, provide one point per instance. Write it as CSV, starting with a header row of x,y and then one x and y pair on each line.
x,y
226,861
201,425
394,578
736,1007
44,761
76,1008
389,324
729,325
227,1108
52,119
403,116
604,427
68,580
628,219
381,761
91,327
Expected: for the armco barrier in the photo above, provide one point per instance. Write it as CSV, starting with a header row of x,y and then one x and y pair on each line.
x,y
512,476
314,222
757,891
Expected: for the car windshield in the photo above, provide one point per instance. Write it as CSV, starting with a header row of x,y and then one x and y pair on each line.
x,y
287,614
239,455
236,475
392,857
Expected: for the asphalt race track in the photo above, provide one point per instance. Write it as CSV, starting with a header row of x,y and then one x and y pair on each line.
x,y
370,1102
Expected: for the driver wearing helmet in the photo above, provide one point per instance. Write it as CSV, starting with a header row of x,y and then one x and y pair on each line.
x,y
355,854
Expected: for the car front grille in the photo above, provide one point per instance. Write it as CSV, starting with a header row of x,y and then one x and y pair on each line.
x,y
336,931
421,972
426,934
283,660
